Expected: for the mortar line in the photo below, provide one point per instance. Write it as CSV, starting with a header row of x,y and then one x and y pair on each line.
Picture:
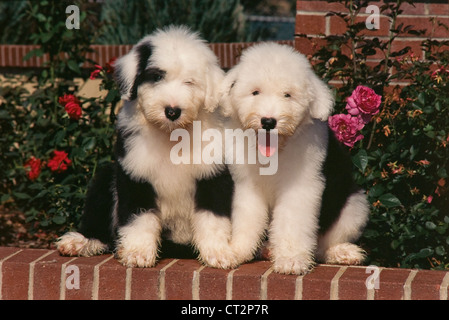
x,y
334,283
31,274
408,285
161,281
1,270
96,280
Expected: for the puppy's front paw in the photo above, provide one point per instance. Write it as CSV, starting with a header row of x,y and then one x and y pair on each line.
x,y
293,265
345,253
142,258
222,257
242,252
75,244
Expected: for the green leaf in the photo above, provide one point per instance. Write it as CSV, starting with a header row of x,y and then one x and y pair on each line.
x,y
34,53
423,253
389,200
89,143
45,37
440,251
422,98
73,66
5,197
430,225
360,160
21,195
376,190
59,219
41,194
395,244
41,17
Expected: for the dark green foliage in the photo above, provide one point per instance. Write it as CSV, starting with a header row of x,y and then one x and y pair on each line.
x,y
126,22
34,124
403,161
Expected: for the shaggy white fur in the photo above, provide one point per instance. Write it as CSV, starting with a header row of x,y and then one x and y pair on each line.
x,y
274,88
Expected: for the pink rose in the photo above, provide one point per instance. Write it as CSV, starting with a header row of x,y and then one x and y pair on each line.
x,y
363,103
346,128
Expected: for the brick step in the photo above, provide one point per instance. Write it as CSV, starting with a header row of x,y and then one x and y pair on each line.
x,y
37,274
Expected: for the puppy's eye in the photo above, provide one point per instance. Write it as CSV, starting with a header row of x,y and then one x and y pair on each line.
x,y
287,95
255,93
189,82
156,77
153,75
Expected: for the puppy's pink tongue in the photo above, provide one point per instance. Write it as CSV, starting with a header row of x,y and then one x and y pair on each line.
x,y
267,148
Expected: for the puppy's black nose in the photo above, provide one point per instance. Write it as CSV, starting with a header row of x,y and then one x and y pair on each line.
x,y
268,123
172,113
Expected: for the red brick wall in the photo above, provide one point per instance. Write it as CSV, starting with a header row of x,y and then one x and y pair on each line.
x,y
311,20
44,274
12,55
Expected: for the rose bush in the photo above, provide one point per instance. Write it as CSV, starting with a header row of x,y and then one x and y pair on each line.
x,y
53,139
402,161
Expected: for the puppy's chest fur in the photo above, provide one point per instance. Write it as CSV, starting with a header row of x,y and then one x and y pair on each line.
x,y
146,158
299,164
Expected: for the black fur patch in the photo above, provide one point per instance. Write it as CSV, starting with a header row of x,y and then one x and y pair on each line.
x,y
215,194
144,52
96,221
133,196
337,170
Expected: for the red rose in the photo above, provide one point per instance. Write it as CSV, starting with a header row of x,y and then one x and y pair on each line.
x,y
34,166
59,162
110,65
68,98
73,110
71,105
96,72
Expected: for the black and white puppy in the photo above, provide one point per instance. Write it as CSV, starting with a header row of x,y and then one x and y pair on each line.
x,y
169,83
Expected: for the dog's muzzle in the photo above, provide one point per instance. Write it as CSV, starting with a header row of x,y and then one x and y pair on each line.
x,y
172,113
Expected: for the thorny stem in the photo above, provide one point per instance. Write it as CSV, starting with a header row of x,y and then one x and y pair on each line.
x,y
387,58
391,33
354,43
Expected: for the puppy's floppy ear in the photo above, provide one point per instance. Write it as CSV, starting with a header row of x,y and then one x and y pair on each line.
x,y
214,78
322,99
225,92
129,69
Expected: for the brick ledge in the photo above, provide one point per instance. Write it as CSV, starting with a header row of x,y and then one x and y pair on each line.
x,y
43,274
12,55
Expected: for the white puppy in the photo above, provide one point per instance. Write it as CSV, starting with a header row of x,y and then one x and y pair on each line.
x,y
169,80
310,205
